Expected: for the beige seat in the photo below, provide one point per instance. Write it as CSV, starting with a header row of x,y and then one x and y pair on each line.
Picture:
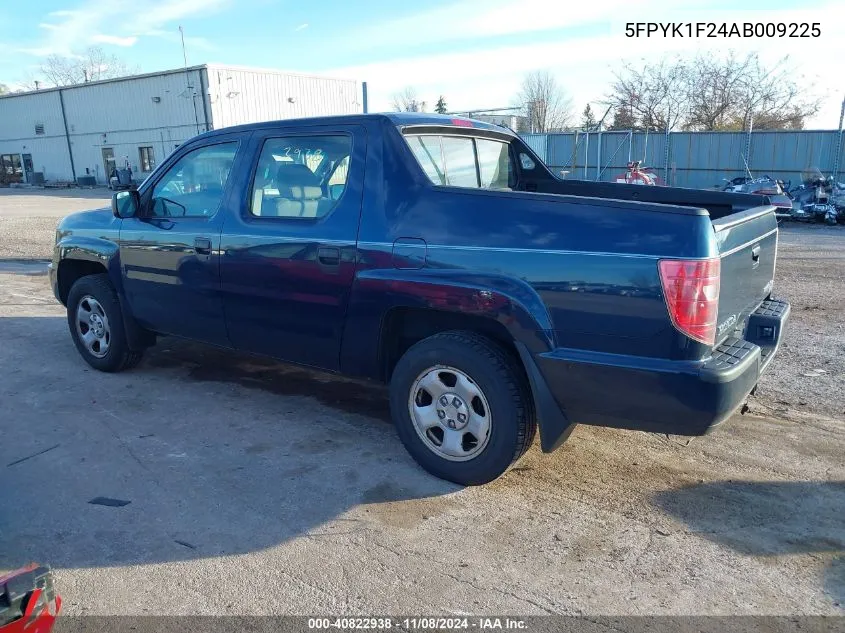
x,y
299,192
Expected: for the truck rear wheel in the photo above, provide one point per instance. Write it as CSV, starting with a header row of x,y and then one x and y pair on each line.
x,y
96,325
462,407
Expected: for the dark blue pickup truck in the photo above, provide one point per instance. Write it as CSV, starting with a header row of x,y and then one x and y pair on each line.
x,y
442,257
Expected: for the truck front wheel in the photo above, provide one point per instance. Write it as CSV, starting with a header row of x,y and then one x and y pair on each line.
x,y
462,407
96,325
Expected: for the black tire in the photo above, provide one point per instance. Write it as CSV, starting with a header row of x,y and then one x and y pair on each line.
x,y
503,383
118,357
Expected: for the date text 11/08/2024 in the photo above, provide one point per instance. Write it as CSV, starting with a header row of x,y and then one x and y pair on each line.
x,y
417,623
725,30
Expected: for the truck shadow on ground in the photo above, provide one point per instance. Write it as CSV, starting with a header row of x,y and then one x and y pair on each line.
x,y
217,452
769,519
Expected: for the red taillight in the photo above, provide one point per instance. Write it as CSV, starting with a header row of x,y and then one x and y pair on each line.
x,y
691,289
462,123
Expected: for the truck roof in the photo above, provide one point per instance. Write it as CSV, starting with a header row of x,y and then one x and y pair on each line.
x,y
396,118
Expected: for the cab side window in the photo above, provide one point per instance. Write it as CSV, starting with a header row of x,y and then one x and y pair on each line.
x,y
464,161
194,186
494,164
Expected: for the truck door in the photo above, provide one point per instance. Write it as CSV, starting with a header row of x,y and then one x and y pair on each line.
x,y
288,258
169,254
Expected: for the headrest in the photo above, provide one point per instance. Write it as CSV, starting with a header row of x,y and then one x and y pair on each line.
x,y
295,192
294,174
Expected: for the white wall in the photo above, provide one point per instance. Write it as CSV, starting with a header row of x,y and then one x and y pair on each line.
x,y
122,115
18,116
239,95
158,111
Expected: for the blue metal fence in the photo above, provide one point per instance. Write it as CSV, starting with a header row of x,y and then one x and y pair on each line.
x,y
693,159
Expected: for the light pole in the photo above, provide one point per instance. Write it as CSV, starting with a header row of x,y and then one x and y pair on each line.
x,y
838,144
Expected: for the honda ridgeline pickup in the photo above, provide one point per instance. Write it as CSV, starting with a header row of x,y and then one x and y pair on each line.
x,y
442,257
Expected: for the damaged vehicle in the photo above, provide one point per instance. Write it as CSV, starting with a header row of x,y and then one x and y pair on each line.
x,y
816,197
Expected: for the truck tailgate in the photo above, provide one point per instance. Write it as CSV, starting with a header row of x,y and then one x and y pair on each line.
x,y
747,244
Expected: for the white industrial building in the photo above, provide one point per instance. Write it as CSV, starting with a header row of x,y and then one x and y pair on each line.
x,y
84,131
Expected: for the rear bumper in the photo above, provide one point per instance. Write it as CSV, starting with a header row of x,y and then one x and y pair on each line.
x,y
664,396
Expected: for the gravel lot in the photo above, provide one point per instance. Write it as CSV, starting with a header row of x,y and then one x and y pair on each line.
x,y
261,488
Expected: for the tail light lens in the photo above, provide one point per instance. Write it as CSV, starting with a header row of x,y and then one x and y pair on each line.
x,y
691,289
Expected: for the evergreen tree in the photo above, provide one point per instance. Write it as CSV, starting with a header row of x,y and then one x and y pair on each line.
x,y
623,119
589,121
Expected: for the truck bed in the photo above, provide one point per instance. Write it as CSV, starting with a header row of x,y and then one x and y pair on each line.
x,y
718,203
745,233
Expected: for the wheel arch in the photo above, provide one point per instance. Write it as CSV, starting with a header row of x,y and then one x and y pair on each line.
x,y
418,304
77,257
505,308
80,257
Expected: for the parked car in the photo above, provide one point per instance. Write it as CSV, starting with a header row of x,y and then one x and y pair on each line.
x,y
442,257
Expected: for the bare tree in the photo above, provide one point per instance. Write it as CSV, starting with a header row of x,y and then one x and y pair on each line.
x,y
653,95
546,104
770,97
91,65
713,92
709,92
4,89
407,101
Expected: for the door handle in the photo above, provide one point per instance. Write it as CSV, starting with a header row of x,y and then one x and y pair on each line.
x,y
328,256
202,246
755,253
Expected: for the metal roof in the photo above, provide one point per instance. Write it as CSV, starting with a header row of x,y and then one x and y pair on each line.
x,y
159,73
396,118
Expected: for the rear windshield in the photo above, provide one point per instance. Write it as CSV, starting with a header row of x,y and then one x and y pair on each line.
x,y
463,161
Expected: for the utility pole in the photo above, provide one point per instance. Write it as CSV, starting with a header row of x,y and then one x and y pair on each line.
x,y
838,143
191,92
586,155
748,145
184,52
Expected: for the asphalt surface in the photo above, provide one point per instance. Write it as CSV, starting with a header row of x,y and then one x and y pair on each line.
x,y
256,487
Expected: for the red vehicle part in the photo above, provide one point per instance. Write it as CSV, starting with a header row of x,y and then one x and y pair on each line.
x,y
636,175
28,600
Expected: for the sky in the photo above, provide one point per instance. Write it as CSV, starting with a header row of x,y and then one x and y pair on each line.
x,y
473,52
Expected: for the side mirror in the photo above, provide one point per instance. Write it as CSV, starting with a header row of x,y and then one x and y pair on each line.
x,y
125,204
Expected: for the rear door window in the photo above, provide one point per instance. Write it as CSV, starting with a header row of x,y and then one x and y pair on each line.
x,y
301,177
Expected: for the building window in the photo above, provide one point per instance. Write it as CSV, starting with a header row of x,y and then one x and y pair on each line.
x,y
10,168
39,129
147,158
